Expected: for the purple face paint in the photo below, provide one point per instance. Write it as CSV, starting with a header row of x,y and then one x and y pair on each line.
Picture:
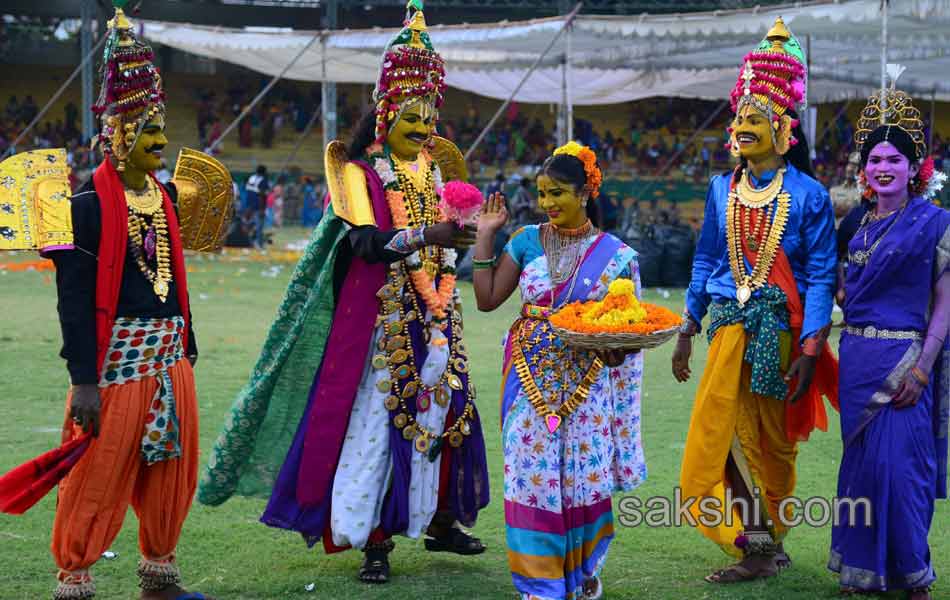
x,y
888,171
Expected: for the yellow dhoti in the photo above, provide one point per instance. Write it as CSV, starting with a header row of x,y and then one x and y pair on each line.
x,y
728,419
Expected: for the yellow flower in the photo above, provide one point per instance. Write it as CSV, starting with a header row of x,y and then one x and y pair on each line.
x,y
572,148
621,287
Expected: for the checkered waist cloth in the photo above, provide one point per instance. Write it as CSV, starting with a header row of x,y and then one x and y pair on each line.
x,y
142,348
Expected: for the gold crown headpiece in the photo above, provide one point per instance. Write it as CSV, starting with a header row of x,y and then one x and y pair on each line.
x,y
892,107
773,76
411,71
131,91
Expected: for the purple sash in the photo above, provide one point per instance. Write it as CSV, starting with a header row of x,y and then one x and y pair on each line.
x,y
347,347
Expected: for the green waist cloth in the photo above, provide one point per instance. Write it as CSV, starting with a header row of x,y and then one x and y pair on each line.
x,y
258,432
764,318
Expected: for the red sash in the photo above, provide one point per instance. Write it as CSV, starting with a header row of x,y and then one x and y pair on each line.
x,y
113,242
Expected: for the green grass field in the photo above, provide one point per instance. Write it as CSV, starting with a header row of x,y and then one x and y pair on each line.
x,y
227,552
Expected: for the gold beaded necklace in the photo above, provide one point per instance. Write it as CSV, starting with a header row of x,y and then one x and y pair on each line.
x,y
400,361
421,203
746,283
148,202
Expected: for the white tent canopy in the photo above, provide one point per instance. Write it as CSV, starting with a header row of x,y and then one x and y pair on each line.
x,y
617,58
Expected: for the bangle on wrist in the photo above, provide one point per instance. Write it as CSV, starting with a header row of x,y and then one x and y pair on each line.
x,y
689,328
920,376
417,238
483,265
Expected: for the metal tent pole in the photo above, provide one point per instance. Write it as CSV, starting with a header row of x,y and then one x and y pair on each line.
x,y
328,88
260,95
567,21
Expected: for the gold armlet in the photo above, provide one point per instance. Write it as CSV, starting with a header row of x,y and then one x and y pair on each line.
x,y
347,184
35,210
205,200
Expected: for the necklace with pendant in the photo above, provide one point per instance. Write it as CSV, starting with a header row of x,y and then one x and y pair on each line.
x,y
748,283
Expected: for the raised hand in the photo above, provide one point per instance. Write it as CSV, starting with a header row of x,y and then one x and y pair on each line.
x,y
494,215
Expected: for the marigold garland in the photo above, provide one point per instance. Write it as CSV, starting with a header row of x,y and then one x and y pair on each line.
x,y
618,312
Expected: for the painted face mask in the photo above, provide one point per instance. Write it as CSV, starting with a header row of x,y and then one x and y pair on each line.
x,y
411,131
752,132
561,202
147,152
888,172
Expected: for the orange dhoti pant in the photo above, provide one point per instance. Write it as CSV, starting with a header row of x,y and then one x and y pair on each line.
x,y
728,419
95,495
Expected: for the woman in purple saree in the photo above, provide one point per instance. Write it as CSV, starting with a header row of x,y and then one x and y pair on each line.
x,y
895,369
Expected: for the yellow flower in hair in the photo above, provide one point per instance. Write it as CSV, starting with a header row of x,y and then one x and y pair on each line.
x,y
572,148
589,159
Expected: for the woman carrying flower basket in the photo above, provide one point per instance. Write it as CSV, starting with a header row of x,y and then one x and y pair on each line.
x,y
570,418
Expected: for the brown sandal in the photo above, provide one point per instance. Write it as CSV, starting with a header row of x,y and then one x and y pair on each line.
x,y
737,573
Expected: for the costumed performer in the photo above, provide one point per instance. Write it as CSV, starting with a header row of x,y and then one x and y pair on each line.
x,y
765,270
365,361
570,419
131,429
895,360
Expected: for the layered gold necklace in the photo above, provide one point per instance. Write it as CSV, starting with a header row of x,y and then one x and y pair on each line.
x,y
150,238
552,417
743,197
422,205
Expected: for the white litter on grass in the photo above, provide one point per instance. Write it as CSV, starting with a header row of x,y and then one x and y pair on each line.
x,y
203,296
297,246
109,555
47,430
310,587
272,271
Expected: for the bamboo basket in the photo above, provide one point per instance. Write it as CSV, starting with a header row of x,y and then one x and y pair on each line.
x,y
615,341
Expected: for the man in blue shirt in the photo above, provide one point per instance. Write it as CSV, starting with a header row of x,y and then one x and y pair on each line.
x,y
764,270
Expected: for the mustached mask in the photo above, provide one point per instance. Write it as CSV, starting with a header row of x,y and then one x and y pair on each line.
x,y
772,79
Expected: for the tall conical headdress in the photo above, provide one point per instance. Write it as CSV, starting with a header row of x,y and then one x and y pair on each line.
x,y
411,71
131,90
773,76
773,79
